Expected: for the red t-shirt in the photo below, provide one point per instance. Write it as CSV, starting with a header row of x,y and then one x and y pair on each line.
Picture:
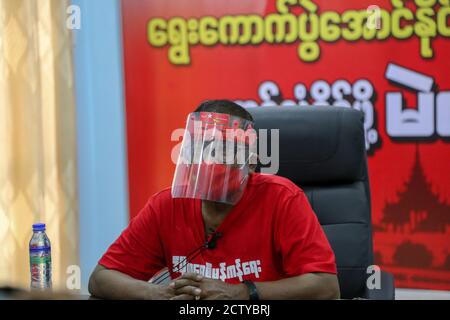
x,y
271,233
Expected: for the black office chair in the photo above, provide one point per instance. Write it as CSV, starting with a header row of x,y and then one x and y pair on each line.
x,y
322,150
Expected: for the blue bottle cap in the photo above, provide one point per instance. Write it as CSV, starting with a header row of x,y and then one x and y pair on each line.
x,y
39,227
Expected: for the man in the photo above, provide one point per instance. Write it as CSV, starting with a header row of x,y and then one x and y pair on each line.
x,y
222,231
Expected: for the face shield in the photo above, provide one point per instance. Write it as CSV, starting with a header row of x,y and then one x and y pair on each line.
x,y
214,159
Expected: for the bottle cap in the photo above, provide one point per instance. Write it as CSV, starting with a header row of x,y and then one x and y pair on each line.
x,y
39,227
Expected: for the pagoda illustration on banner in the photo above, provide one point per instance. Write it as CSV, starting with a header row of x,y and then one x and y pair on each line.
x,y
418,208
416,233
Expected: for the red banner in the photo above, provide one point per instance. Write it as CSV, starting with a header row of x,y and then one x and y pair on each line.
x,y
389,59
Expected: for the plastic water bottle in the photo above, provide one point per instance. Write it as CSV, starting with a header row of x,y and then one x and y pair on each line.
x,y
40,258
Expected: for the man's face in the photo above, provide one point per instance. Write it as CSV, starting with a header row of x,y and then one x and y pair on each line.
x,y
216,157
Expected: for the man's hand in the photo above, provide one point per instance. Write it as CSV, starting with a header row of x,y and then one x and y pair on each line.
x,y
194,286
159,292
112,284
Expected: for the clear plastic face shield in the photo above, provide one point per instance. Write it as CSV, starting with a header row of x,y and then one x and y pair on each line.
x,y
214,159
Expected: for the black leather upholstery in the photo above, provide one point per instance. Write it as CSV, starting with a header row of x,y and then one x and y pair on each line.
x,y
322,150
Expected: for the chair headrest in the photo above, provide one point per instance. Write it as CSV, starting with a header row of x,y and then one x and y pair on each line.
x,y
317,144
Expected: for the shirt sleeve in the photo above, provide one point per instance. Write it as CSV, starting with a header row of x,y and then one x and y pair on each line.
x,y
300,239
138,250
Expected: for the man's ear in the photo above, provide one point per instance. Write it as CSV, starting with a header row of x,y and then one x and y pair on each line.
x,y
253,161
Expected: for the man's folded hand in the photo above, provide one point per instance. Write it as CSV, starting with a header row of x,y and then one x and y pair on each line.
x,y
194,286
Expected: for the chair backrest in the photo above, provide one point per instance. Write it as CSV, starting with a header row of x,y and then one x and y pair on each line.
x,y
322,150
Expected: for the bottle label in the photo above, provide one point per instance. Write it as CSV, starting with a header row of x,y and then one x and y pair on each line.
x,y
41,248
40,266
39,260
